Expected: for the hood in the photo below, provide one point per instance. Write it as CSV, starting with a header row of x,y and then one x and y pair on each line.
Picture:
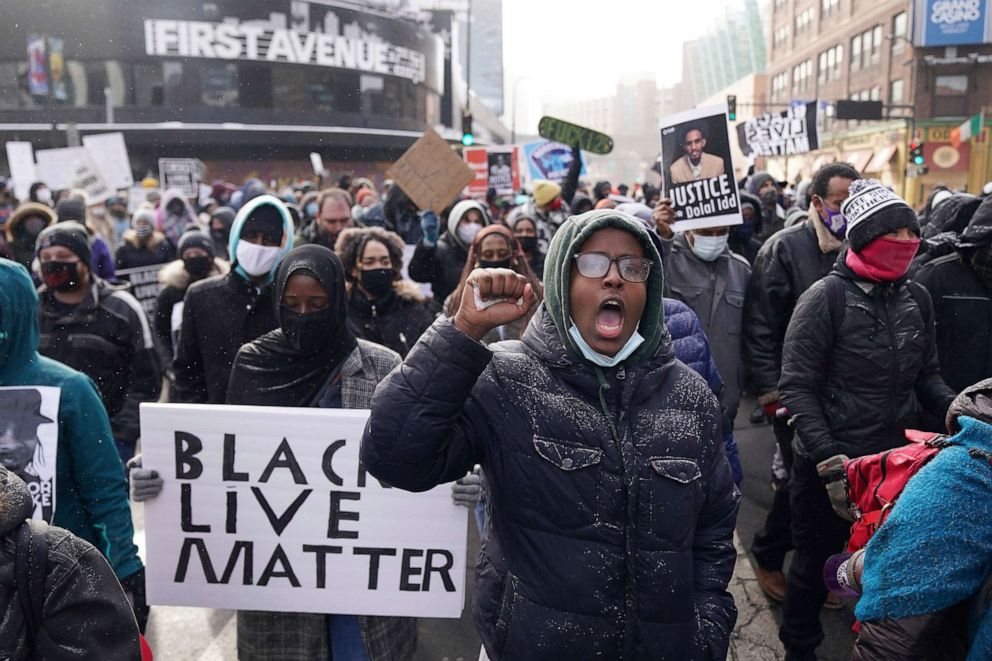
x,y
979,229
458,212
757,180
18,320
174,273
27,210
973,402
15,501
131,238
951,215
242,218
168,196
558,272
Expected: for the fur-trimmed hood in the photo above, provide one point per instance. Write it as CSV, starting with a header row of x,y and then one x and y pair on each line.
x,y
174,273
154,241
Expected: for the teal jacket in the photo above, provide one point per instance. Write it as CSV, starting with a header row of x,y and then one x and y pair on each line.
x,y
91,492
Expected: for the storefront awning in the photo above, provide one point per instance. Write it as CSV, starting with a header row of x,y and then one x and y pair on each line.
x,y
823,159
859,159
880,160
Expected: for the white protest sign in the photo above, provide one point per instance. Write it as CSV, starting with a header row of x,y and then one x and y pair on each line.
x,y
269,508
425,287
109,153
57,167
697,169
181,173
86,175
317,163
29,425
20,159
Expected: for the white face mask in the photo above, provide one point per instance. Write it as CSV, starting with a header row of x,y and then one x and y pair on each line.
x,y
44,195
597,358
467,231
708,248
256,260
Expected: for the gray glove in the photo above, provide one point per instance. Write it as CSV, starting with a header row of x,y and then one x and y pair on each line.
x,y
467,491
145,483
834,477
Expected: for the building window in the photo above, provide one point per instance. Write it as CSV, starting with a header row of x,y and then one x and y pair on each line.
x,y
822,73
804,19
899,32
780,37
828,7
876,93
856,52
802,75
896,91
876,46
780,83
950,97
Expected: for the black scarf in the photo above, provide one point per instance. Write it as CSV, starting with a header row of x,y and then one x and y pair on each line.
x,y
271,371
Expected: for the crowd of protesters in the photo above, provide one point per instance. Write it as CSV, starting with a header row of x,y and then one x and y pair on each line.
x,y
590,359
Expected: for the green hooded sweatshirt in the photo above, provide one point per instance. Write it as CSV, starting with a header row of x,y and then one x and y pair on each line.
x,y
90,490
558,275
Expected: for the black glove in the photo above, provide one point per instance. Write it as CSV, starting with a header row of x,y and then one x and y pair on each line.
x,y
134,588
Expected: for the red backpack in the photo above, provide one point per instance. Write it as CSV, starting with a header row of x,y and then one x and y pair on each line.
x,y
874,482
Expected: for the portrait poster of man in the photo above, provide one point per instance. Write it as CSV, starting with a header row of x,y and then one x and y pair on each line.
x,y
501,171
29,436
697,169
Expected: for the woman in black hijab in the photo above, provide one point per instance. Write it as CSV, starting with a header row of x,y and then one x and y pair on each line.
x,y
313,360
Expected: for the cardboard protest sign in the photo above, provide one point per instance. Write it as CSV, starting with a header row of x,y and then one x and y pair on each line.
x,y
20,159
29,441
109,153
477,158
550,160
56,167
144,285
431,173
567,133
697,170
183,174
270,508
792,131
504,170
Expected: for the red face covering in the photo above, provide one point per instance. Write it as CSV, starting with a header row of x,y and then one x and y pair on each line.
x,y
883,260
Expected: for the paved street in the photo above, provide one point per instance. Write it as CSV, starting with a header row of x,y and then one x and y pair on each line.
x,y
198,634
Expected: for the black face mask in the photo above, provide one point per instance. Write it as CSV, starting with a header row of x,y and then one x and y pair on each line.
x,y
198,267
497,264
306,332
378,282
60,276
219,236
527,243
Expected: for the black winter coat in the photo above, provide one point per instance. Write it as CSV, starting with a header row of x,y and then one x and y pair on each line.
x,y
614,545
85,614
108,338
963,312
441,266
856,392
220,314
786,266
131,254
395,321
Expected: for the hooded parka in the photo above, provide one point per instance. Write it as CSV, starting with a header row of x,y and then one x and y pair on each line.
x,y
610,506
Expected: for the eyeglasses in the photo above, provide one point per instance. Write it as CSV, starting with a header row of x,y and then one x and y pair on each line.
x,y
597,265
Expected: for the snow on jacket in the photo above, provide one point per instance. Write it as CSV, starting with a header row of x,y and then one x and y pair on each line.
x,y
108,338
90,492
85,614
856,391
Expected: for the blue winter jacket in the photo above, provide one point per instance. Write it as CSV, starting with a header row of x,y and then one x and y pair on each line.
x,y
693,349
90,492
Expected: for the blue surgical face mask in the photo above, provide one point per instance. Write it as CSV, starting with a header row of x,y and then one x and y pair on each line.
x,y
708,248
835,222
312,210
599,359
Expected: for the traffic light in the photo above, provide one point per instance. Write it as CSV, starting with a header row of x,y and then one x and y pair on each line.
x,y
916,153
468,138
732,107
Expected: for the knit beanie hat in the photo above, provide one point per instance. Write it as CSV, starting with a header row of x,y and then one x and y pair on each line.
x,y
145,213
558,276
69,235
545,192
757,180
195,239
71,208
266,219
872,210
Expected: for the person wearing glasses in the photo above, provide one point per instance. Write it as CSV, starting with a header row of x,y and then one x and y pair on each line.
x,y
611,505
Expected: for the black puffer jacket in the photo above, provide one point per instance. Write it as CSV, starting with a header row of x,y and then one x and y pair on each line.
x,y
108,338
220,314
786,266
963,312
855,392
395,321
441,266
85,614
597,547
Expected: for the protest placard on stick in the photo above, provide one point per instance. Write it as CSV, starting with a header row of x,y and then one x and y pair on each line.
x,y
570,134
431,173
270,508
786,133
697,170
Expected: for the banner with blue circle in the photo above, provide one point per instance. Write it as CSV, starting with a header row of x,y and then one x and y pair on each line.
x,y
549,160
952,22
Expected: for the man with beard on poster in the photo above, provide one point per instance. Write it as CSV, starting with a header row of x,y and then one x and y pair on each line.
x,y
20,416
695,164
